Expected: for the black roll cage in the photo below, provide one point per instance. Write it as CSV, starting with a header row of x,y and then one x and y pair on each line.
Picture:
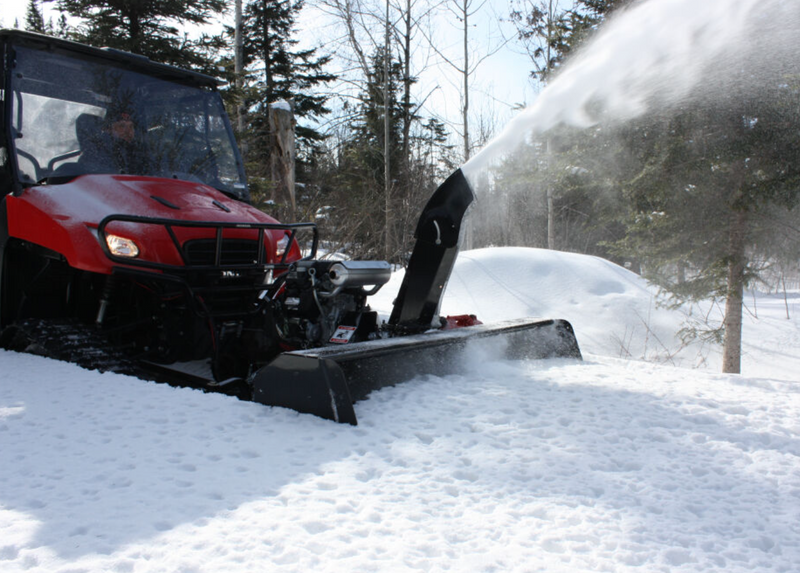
x,y
124,60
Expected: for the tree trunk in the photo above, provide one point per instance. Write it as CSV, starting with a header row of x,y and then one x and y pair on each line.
x,y
467,234
551,211
465,111
785,297
681,273
407,89
238,43
282,155
135,32
551,219
268,88
387,168
732,350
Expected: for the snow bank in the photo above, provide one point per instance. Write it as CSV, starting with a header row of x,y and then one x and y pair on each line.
x,y
614,311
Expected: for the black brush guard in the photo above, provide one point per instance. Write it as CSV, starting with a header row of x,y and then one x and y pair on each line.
x,y
220,284
191,275
218,227
327,381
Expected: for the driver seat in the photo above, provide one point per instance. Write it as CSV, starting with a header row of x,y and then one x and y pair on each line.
x,y
88,129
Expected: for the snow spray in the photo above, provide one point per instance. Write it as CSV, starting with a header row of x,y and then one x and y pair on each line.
x,y
654,55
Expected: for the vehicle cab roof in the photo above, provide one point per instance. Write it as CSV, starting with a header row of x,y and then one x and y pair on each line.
x,y
119,58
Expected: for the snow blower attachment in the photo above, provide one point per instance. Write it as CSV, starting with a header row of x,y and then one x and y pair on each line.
x,y
327,381
146,257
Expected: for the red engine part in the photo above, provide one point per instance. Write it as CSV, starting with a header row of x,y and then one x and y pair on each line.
x,y
460,321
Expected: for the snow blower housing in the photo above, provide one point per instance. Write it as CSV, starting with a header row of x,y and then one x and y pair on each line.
x,y
128,242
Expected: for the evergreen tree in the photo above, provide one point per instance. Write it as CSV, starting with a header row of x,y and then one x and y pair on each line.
x,y
580,23
579,166
35,22
34,19
691,188
541,30
275,72
152,29
360,182
279,72
550,33
708,176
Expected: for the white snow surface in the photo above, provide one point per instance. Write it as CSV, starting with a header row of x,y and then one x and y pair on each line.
x,y
615,463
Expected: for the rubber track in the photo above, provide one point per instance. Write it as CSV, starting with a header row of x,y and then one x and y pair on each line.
x,y
68,341
72,341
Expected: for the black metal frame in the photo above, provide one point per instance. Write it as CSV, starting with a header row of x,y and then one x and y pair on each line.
x,y
176,274
218,227
109,56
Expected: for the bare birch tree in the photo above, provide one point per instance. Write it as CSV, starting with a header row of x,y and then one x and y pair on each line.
x,y
468,59
361,23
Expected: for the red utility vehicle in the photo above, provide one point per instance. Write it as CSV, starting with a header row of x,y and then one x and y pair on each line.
x,y
128,242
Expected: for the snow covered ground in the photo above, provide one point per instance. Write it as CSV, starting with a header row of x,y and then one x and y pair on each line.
x,y
611,464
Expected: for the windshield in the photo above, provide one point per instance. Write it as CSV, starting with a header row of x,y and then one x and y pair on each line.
x,y
72,116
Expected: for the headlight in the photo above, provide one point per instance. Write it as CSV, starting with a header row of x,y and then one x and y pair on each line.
x,y
280,247
122,247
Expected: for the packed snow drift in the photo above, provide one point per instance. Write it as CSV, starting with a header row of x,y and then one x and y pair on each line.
x,y
611,464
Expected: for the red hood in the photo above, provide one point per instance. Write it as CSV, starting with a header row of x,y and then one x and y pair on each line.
x,y
64,218
93,197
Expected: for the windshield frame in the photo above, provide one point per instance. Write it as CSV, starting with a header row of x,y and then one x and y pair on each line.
x,y
210,108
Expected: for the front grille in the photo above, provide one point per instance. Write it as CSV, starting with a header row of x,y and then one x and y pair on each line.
x,y
234,252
